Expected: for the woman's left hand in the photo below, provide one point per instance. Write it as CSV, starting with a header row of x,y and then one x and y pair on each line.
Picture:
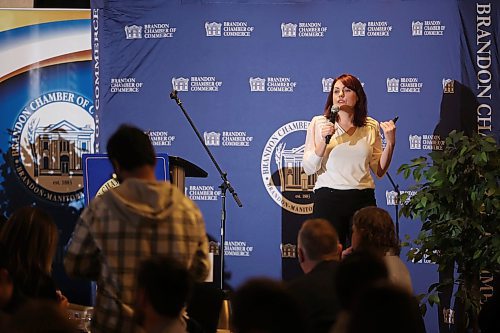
x,y
389,130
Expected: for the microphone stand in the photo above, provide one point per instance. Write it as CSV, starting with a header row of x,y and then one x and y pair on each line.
x,y
224,187
396,189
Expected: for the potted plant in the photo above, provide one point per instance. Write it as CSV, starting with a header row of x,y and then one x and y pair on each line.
x,y
458,201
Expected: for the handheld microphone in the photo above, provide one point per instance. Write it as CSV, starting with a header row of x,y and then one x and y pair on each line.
x,y
395,120
333,117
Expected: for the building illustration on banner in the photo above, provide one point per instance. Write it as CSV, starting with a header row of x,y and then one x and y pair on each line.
x,y
391,197
281,169
358,29
417,28
133,32
257,84
288,30
213,29
289,162
415,141
392,85
59,148
448,86
48,139
327,84
212,138
288,250
180,84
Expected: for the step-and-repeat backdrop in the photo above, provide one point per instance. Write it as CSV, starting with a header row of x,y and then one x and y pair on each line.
x,y
251,75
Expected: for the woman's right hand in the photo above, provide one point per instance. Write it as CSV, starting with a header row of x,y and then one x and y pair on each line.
x,y
327,129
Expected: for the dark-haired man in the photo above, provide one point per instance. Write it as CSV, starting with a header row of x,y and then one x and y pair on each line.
x,y
139,219
164,286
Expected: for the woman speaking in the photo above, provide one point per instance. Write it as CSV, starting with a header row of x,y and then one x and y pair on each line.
x,y
342,146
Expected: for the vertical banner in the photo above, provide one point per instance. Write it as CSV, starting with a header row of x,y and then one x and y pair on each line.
x,y
47,118
479,51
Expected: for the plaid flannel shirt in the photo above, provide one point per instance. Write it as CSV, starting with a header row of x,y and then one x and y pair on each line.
x,y
120,229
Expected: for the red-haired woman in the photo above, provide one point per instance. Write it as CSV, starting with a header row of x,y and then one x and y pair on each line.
x,y
344,182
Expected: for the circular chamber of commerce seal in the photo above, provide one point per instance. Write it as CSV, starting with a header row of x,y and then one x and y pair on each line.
x,y
281,169
48,138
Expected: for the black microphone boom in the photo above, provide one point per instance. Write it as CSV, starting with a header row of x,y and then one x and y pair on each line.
x,y
333,117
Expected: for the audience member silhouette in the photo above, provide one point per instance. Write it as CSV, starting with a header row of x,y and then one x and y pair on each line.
x,y
355,273
41,316
6,290
164,286
6,282
265,306
30,240
385,308
373,230
139,219
318,252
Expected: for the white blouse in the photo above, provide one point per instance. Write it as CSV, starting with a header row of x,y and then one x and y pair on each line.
x,y
348,159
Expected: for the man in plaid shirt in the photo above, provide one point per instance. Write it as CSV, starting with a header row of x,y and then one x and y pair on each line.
x,y
137,220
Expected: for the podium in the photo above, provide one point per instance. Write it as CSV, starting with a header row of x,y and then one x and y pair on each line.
x,y
180,169
98,171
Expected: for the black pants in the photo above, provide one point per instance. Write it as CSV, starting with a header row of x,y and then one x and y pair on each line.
x,y
338,207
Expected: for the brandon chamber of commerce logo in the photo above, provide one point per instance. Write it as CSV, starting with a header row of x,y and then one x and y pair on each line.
x,y
231,248
196,84
47,142
393,199
227,139
371,29
228,29
272,84
404,85
281,169
303,29
426,142
149,31
427,28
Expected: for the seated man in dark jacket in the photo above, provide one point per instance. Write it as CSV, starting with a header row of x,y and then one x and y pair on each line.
x,y
318,251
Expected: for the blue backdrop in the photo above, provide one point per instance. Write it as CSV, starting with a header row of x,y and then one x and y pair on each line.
x,y
252,74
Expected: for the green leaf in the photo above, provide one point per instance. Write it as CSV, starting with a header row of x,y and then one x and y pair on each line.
x,y
433,299
423,309
484,157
